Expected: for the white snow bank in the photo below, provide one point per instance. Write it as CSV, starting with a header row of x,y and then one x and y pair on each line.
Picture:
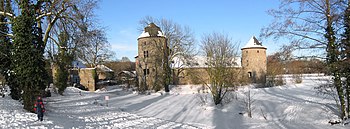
x,y
291,106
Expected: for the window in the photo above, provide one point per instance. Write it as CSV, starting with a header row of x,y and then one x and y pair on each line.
x,y
246,51
145,54
145,72
144,43
257,51
250,74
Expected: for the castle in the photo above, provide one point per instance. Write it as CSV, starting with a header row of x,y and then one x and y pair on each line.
x,y
153,51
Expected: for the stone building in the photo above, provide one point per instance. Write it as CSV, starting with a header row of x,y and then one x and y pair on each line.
x,y
88,78
254,61
152,51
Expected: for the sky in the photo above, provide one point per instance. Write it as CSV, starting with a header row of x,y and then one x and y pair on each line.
x,y
239,19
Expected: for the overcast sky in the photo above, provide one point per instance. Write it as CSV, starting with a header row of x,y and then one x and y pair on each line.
x,y
240,19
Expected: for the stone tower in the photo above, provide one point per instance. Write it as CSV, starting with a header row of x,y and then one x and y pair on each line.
x,y
254,61
152,51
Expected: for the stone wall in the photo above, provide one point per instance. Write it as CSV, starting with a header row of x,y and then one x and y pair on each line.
x,y
88,78
254,64
200,76
150,56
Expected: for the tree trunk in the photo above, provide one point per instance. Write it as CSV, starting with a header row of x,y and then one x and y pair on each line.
x,y
333,58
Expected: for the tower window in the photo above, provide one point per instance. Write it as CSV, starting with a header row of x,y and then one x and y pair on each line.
x,y
250,74
246,51
144,43
145,71
257,51
145,54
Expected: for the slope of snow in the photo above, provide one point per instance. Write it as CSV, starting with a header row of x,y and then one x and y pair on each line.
x,y
290,106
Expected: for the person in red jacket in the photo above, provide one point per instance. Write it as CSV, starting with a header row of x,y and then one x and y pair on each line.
x,y
39,108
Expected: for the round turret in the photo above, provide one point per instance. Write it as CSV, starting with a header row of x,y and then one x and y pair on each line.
x,y
152,45
254,61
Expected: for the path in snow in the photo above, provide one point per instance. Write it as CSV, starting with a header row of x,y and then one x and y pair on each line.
x,y
75,111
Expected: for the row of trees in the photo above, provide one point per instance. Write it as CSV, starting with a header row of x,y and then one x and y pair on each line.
x,y
322,26
37,31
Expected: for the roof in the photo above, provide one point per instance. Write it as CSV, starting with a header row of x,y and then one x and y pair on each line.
x,y
104,68
253,43
152,30
131,74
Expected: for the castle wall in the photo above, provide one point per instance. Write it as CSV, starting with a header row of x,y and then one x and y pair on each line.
x,y
199,76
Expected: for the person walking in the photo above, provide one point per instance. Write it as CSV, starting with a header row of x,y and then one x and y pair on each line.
x,y
39,108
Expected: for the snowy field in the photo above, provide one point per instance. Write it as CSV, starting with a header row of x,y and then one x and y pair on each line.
x,y
292,106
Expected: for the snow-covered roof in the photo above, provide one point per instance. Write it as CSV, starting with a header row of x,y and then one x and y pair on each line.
x,y
151,30
146,34
200,62
104,68
253,43
131,74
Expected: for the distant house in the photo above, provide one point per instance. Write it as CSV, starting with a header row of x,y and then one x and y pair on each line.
x,y
80,75
104,73
127,77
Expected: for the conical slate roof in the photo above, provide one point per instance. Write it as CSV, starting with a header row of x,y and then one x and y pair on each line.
x,y
151,30
253,43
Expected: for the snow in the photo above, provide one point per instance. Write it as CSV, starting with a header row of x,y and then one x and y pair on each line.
x,y
253,43
104,68
186,106
201,62
146,34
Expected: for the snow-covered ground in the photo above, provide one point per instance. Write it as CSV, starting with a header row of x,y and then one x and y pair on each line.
x,y
289,106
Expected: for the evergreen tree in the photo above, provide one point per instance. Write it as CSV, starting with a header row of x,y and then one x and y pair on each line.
x,y
63,61
29,65
5,50
4,43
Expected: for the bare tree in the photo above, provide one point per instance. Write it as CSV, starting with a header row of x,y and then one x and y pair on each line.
x,y
312,25
274,68
125,59
94,48
220,55
248,103
49,13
